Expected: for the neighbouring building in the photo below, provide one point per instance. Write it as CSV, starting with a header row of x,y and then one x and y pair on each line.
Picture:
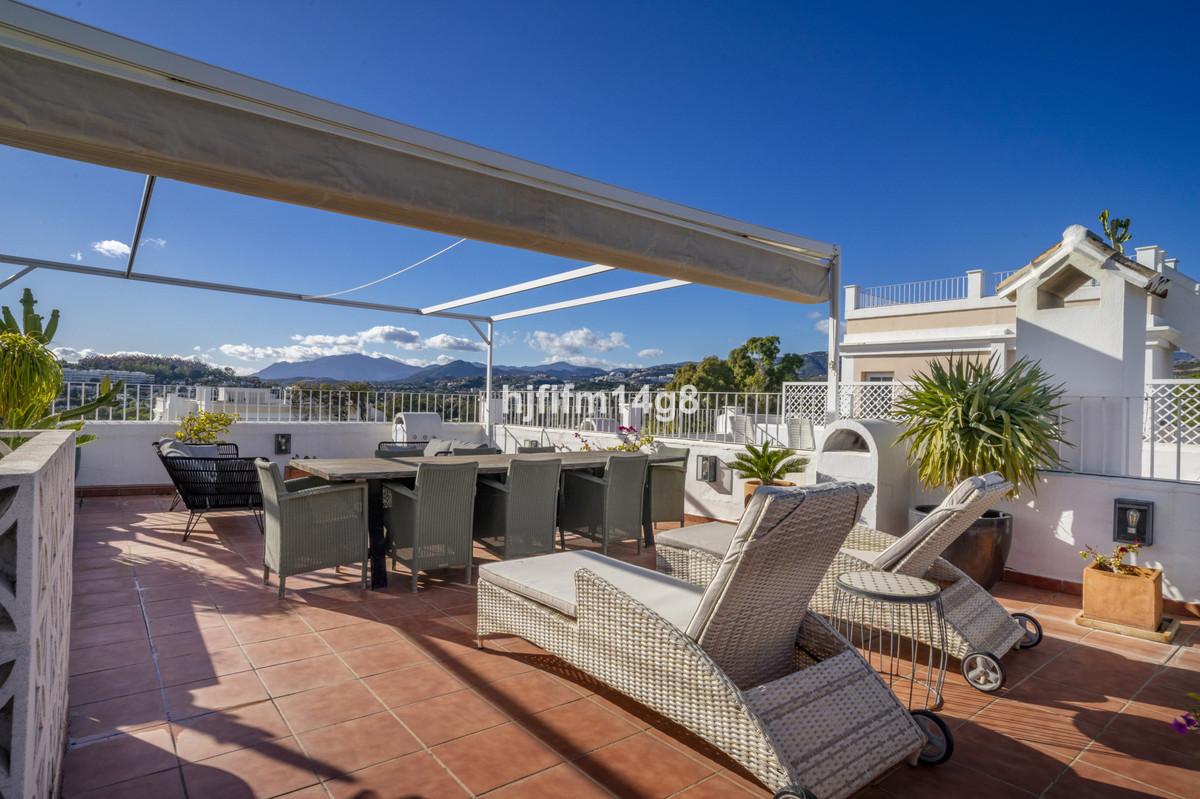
x,y
96,375
893,331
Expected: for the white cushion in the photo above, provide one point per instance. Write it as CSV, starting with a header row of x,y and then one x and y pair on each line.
x,y
731,558
178,449
550,580
437,446
711,537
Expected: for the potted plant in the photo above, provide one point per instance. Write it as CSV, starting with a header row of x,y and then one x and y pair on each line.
x,y
966,418
760,466
1120,593
204,427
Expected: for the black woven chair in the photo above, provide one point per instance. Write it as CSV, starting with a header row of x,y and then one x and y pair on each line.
x,y
213,484
399,449
225,449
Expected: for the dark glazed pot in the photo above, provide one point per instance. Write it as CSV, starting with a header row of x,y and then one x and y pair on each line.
x,y
982,550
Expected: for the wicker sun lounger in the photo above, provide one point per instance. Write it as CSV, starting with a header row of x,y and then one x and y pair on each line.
x,y
741,663
979,630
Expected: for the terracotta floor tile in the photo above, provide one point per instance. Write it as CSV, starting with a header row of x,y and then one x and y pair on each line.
x,y
1130,647
419,773
217,693
528,693
187,621
1098,671
285,650
438,636
118,759
304,675
719,787
249,631
578,727
81,619
160,785
122,714
1167,770
356,744
1093,782
563,780
269,769
110,656
395,654
201,666
209,640
1031,766
202,737
356,636
642,766
413,683
329,705
487,665
1186,658
444,718
96,686
92,600
133,630
494,757
325,618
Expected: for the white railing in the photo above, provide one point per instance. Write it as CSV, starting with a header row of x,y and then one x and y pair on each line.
x,y
161,403
717,416
918,291
996,278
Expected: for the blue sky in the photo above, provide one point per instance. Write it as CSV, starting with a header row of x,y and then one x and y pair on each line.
x,y
925,140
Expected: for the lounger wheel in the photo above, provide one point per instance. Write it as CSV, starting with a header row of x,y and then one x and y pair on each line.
x,y
795,793
939,743
1032,629
983,671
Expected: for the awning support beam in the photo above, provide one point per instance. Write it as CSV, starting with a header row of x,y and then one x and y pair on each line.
x,y
143,208
528,285
13,278
646,288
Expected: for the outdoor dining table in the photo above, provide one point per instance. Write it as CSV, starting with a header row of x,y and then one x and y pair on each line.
x,y
376,471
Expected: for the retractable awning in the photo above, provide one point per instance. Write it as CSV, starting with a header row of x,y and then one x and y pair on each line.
x,y
74,91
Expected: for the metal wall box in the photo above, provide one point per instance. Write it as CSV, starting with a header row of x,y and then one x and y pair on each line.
x,y
1133,521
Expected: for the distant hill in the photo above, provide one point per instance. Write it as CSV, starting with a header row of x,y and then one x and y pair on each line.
x,y
352,367
465,370
166,370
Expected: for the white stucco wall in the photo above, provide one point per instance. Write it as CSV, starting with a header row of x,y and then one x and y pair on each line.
x,y
121,455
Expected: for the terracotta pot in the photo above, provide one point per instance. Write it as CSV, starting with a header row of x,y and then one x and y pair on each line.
x,y
290,472
1134,600
751,486
982,550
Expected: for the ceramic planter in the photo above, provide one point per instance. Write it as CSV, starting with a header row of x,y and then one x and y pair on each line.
x,y
1133,599
751,486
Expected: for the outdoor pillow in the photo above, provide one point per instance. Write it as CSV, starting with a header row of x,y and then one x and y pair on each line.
x,y
438,446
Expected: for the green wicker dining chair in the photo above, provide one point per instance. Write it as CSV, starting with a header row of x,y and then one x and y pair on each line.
x,y
309,525
535,450
429,525
516,517
666,486
607,509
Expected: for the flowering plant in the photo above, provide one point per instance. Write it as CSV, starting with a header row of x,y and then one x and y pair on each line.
x,y
631,441
1114,562
1187,722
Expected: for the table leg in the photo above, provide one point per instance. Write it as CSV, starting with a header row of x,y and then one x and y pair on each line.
x,y
378,543
647,524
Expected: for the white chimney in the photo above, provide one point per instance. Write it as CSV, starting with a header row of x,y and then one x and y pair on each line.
x,y
1151,256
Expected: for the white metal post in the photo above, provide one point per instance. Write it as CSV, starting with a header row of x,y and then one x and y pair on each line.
x,y
488,422
835,305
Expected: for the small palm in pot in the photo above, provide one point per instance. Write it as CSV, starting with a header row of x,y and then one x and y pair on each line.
x,y
765,466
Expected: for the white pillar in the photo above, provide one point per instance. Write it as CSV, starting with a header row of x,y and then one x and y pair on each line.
x,y
488,421
835,296
974,284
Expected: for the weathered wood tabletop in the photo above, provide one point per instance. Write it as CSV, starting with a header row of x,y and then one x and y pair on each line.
x,y
346,469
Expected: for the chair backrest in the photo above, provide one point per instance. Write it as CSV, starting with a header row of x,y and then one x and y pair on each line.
x,y
676,452
915,551
750,613
534,450
445,505
626,477
271,485
398,449
532,506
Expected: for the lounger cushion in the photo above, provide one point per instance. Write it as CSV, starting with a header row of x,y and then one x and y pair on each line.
x,y
550,580
178,449
963,493
712,537
731,557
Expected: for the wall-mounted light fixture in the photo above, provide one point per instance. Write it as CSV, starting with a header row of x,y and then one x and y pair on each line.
x,y
706,468
283,443
1133,521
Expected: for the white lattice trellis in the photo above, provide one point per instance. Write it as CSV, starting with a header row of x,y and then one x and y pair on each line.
x,y
804,401
1172,412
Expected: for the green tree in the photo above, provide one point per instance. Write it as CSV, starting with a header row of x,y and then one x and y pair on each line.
x,y
755,366
710,374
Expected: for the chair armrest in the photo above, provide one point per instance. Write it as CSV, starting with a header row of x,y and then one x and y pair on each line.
x,y
495,485
401,490
323,490
302,483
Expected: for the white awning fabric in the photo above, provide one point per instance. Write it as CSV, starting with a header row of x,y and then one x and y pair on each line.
x,y
74,91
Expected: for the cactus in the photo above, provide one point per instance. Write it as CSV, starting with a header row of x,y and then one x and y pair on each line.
x,y
31,322
1117,231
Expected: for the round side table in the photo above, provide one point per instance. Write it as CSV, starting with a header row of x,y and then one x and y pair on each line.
x,y
884,615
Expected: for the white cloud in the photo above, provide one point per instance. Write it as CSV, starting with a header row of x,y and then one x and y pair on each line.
x,y
822,326
443,341
154,241
573,343
77,256
652,352
70,354
111,248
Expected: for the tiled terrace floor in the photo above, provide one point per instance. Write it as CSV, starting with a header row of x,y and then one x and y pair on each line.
x,y
191,679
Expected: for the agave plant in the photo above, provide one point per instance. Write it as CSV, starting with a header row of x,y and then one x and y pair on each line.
x,y
765,464
964,418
